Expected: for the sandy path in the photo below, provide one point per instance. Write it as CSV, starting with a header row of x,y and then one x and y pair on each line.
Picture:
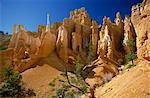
x,y
38,79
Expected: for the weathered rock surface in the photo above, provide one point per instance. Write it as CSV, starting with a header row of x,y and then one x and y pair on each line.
x,y
129,35
141,22
132,83
109,51
28,48
62,44
111,37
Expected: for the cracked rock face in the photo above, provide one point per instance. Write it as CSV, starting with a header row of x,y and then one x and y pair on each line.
x,y
129,34
141,22
27,48
111,36
62,44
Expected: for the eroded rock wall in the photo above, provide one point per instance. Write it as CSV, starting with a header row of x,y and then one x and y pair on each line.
x,y
141,22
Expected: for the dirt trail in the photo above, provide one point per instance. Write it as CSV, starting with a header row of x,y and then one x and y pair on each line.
x,y
134,83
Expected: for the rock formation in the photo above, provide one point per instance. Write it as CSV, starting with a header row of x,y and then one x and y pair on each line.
x,y
60,45
129,34
67,40
109,51
28,49
95,37
111,36
140,19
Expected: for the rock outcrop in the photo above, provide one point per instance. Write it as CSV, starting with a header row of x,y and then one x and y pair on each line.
x,y
109,51
62,43
141,22
29,48
129,35
111,37
95,38
78,29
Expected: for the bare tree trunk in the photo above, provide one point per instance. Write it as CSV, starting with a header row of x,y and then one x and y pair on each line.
x,y
132,62
66,73
92,92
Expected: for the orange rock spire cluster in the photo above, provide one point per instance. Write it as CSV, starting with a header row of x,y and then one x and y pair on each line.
x,y
60,44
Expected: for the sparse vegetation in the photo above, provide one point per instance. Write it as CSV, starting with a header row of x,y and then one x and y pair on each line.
x,y
4,41
67,19
12,85
118,15
72,85
127,16
141,4
131,56
82,9
3,47
56,25
90,53
131,65
71,13
131,44
78,66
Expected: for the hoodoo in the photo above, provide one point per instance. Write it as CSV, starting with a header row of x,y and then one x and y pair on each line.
x,y
104,52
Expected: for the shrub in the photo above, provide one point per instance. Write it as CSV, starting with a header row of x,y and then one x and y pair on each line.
x,y
82,9
131,44
72,84
131,56
70,87
7,72
78,66
90,53
127,16
12,85
3,47
71,13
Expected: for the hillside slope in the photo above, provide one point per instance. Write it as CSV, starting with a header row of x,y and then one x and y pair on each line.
x,y
134,83
38,79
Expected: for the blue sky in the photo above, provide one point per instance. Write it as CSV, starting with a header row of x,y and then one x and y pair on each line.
x,y
33,12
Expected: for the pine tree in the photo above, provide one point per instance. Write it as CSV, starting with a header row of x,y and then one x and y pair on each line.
x,y
131,56
73,83
90,53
